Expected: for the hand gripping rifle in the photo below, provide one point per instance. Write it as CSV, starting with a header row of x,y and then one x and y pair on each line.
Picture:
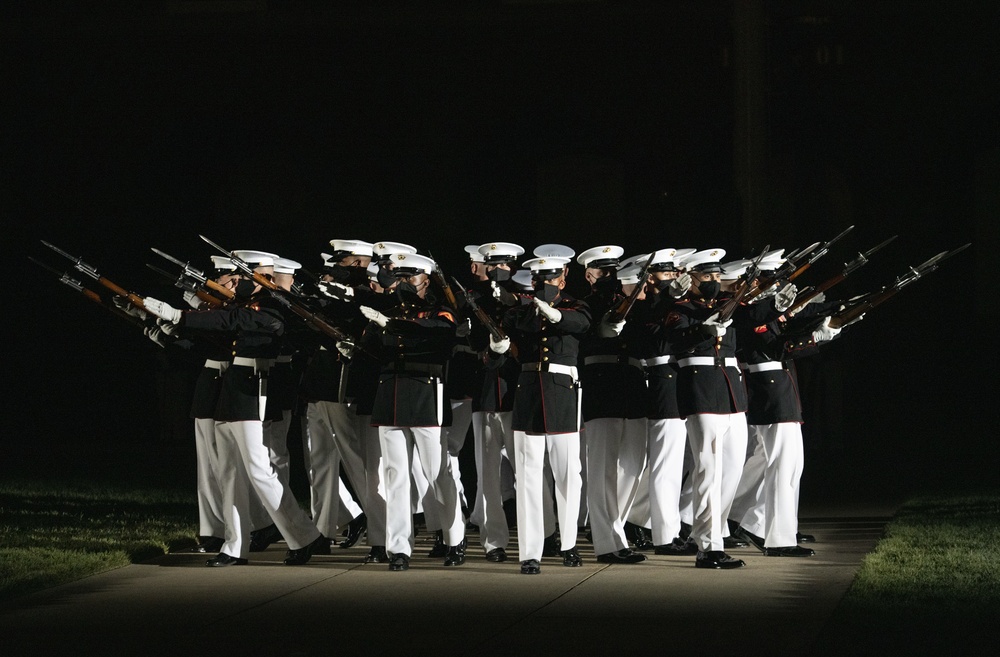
x,y
792,268
187,271
83,267
188,285
68,280
310,317
621,310
728,308
495,331
848,315
849,268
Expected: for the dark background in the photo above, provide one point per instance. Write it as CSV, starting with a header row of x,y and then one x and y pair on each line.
x,y
282,125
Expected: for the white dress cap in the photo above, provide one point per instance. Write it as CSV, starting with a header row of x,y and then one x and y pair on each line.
x,y
383,249
285,266
256,258
630,275
522,279
772,260
601,256
734,269
500,252
222,263
410,263
548,265
554,251
639,260
473,251
704,261
345,248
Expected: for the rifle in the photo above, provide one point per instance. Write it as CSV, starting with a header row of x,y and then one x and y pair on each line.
x,y
83,267
188,285
792,269
728,308
438,276
281,295
68,280
849,268
198,275
848,315
495,331
619,312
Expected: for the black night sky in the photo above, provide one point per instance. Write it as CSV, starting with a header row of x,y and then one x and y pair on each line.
x,y
282,125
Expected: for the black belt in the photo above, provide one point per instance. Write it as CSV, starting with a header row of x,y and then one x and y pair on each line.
x,y
417,368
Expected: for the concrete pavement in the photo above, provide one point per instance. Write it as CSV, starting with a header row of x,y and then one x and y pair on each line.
x,y
174,605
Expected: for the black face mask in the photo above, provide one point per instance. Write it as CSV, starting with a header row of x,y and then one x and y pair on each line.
x,y
349,275
709,289
384,277
407,293
498,275
661,286
606,285
545,292
244,289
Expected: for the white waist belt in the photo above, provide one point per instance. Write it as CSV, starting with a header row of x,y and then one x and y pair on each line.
x,y
764,367
613,360
217,364
259,364
705,360
553,367
658,360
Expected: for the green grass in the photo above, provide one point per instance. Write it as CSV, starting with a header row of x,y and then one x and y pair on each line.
x,y
932,584
51,533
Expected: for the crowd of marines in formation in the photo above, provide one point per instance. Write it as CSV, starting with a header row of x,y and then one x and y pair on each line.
x,y
660,410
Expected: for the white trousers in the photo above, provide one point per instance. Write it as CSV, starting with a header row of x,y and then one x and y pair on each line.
x,y
616,453
324,421
667,445
276,439
455,435
210,519
718,446
374,486
563,452
241,445
767,500
398,444
492,433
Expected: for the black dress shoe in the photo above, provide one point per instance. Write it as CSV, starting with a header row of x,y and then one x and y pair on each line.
x,y
302,555
621,556
717,559
497,555
355,529
730,542
805,538
677,548
639,536
749,537
571,557
209,545
260,539
440,549
685,531
224,559
399,562
456,556
551,546
789,551
325,547
377,555
530,567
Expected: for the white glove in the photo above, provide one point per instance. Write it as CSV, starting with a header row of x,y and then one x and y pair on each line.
x,y
547,311
336,291
192,299
500,347
825,332
496,289
713,327
167,328
679,286
346,348
463,328
155,333
608,329
162,310
819,298
785,297
374,316
766,294
124,305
